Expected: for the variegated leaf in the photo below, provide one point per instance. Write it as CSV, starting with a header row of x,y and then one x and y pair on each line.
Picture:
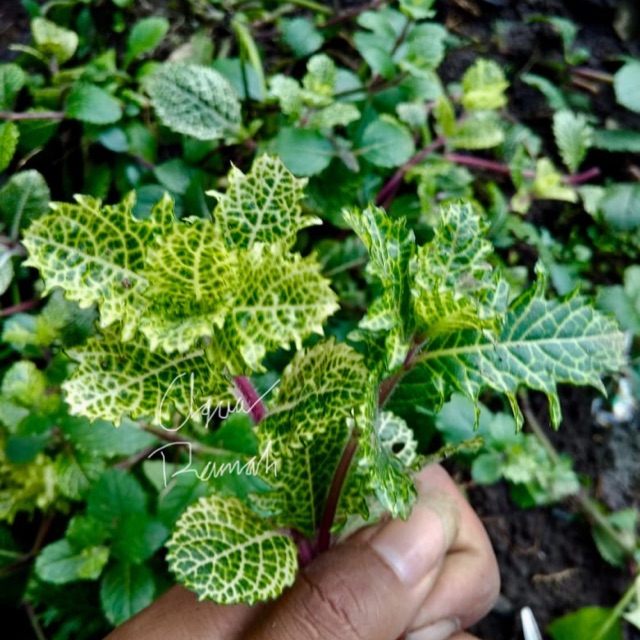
x,y
226,553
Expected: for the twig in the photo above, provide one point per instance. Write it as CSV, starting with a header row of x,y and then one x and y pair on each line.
x,y
19,308
351,13
133,460
592,74
33,619
388,191
33,115
585,176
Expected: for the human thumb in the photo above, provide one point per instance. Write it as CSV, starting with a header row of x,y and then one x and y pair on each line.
x,y
369,587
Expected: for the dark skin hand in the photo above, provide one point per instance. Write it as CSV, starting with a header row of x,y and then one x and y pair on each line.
x,y
424,579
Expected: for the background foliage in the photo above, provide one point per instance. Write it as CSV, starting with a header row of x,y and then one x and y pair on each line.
x,y
156,105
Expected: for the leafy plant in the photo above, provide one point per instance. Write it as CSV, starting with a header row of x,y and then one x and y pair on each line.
x,y
172,312
180,325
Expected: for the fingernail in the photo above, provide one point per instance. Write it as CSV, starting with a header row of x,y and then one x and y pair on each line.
x,y
441,630
412,548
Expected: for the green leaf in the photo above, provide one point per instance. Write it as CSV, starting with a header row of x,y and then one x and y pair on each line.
x,y
226,553
96,254
626,84
116,379
487,468
376,465
484,86
454,288
625,522
89,103
573,137
125,590
307,430
58,563
24,384
262,206
391,247
554,96
23,198
192,283
194,100
542,343
101,438
137,537
624,301
387,143
6,270
304,152
624,140
9,135
418,9
548,183
146,34
115,495
280,299
478,131
301,35
75,473
587,622
53,40
620,205
12,79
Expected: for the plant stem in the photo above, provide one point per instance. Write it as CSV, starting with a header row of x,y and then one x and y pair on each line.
x,y
618,610
33,619
587,505
388,191
483,163
256,408
585,176
18,308
351,13
313,6
172,436
33,115
387,386
592,74
331,505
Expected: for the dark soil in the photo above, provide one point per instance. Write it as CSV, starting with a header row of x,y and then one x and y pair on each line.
x,y
548,560
547,557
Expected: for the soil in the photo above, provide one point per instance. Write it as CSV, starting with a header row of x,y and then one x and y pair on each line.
x,y
548,560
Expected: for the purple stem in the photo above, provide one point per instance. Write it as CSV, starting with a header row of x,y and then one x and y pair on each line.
x,y
388,191
256,409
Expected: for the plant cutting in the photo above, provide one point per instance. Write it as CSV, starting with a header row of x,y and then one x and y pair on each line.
x,y
190,311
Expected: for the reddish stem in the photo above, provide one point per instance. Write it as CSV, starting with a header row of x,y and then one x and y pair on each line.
x,y
389,190
331,506
585,176
18,308
256,409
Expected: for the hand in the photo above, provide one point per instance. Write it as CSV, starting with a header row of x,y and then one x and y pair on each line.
x,y
423,579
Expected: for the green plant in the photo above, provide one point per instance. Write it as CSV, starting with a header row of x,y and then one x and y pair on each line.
x,y
198,295
189,309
